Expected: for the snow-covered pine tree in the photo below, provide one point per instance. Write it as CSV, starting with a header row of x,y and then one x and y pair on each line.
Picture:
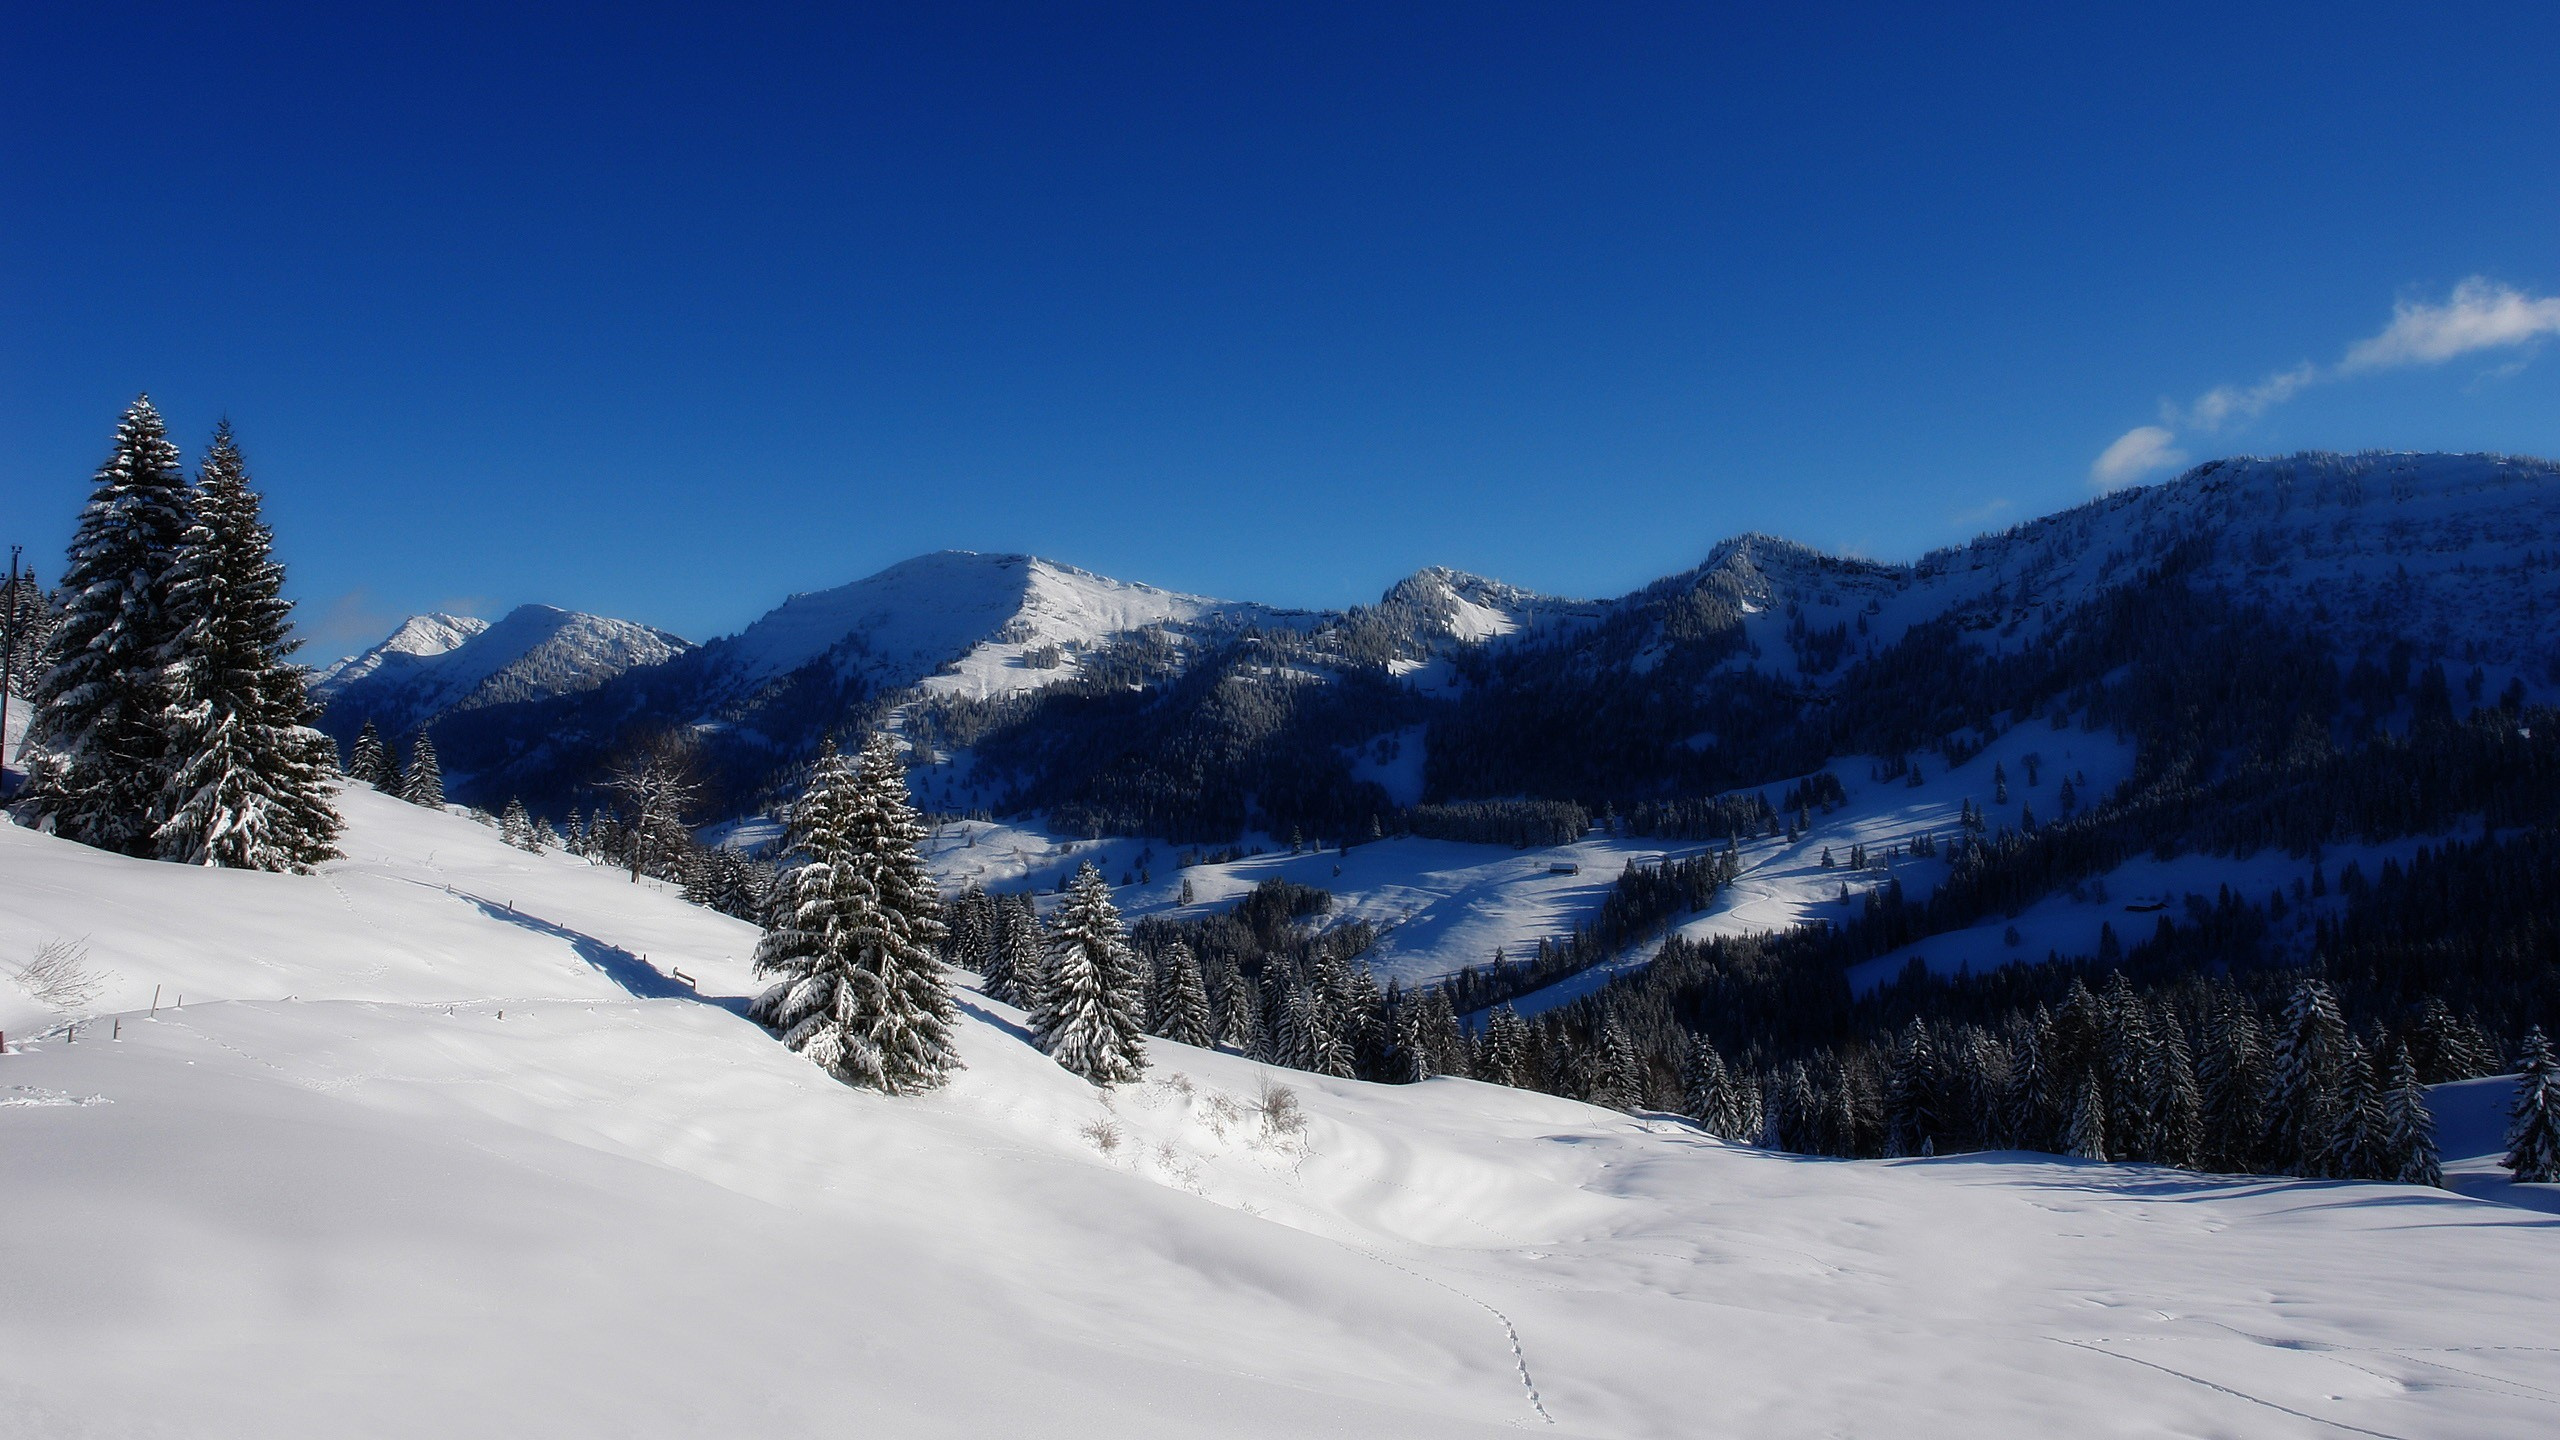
x,y
1441,1032
1183,1008
98,755
1297,1026
370,764
1617,1081
2302,1090
1911,1108
2029,1105
2533,1119
27,617
1409,1059
250,783
2169,1086
1239,1021
860,987
1088,1017
2088,1136
972,921
514,825
1506,1048
1702,1085
2231,1085
423,782
2358,1126
2409,1127
1018,964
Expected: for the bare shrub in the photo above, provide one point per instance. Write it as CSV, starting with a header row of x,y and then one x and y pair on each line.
x,y
1277,1104
60,975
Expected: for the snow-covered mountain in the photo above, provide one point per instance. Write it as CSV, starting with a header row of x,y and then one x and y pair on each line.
x,y
438,665
1695,682
420,638
437,1145
958,622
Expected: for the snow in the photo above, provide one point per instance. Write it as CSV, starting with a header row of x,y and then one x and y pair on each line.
x,y
488,1174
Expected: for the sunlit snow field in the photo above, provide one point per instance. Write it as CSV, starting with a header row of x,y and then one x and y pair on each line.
x,y
438,1145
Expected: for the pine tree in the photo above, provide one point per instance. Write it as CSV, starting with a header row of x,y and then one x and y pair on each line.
x,y
1911,1108
516,827
862,992
2533,1119
423,782
1506,1048
2302,1097
1088,1018
2409,1128
2088,1139
2356,1146
27,618
250,783
2169,1088
972,922
99,757
1702,1086
1618,1080
1183,1010
370,764
1239,1021
2232,1086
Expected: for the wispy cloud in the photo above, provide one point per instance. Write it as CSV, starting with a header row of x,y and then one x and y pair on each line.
x,y
1982,514
2480,315
344,625
2140,451
2223,404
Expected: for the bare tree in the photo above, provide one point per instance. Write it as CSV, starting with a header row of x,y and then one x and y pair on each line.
x,y
658,777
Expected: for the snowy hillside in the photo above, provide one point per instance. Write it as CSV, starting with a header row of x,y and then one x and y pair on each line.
x,y
2437,549
437,665
432,1115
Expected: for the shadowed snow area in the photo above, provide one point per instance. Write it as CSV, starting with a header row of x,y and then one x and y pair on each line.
x,y
439,1146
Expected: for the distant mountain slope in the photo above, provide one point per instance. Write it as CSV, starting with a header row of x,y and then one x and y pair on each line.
x,y
1031,684
956,625
438,665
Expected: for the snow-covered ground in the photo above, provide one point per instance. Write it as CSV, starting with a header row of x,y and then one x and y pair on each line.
x,y
410,1164
1445,905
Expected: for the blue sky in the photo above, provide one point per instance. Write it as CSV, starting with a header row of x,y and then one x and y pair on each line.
x,y
665,312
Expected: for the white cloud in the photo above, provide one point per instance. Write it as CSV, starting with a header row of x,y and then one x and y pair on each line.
x,y
2137,452
2482,315
2225,403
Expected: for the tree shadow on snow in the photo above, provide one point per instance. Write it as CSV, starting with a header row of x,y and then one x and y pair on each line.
x,y
2164,1186
982,1013
623,968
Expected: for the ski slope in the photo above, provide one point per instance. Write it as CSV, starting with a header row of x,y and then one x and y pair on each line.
x,y
411,1162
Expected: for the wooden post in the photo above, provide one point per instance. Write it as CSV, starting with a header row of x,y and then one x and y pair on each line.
x,y
119,1029
155,1000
